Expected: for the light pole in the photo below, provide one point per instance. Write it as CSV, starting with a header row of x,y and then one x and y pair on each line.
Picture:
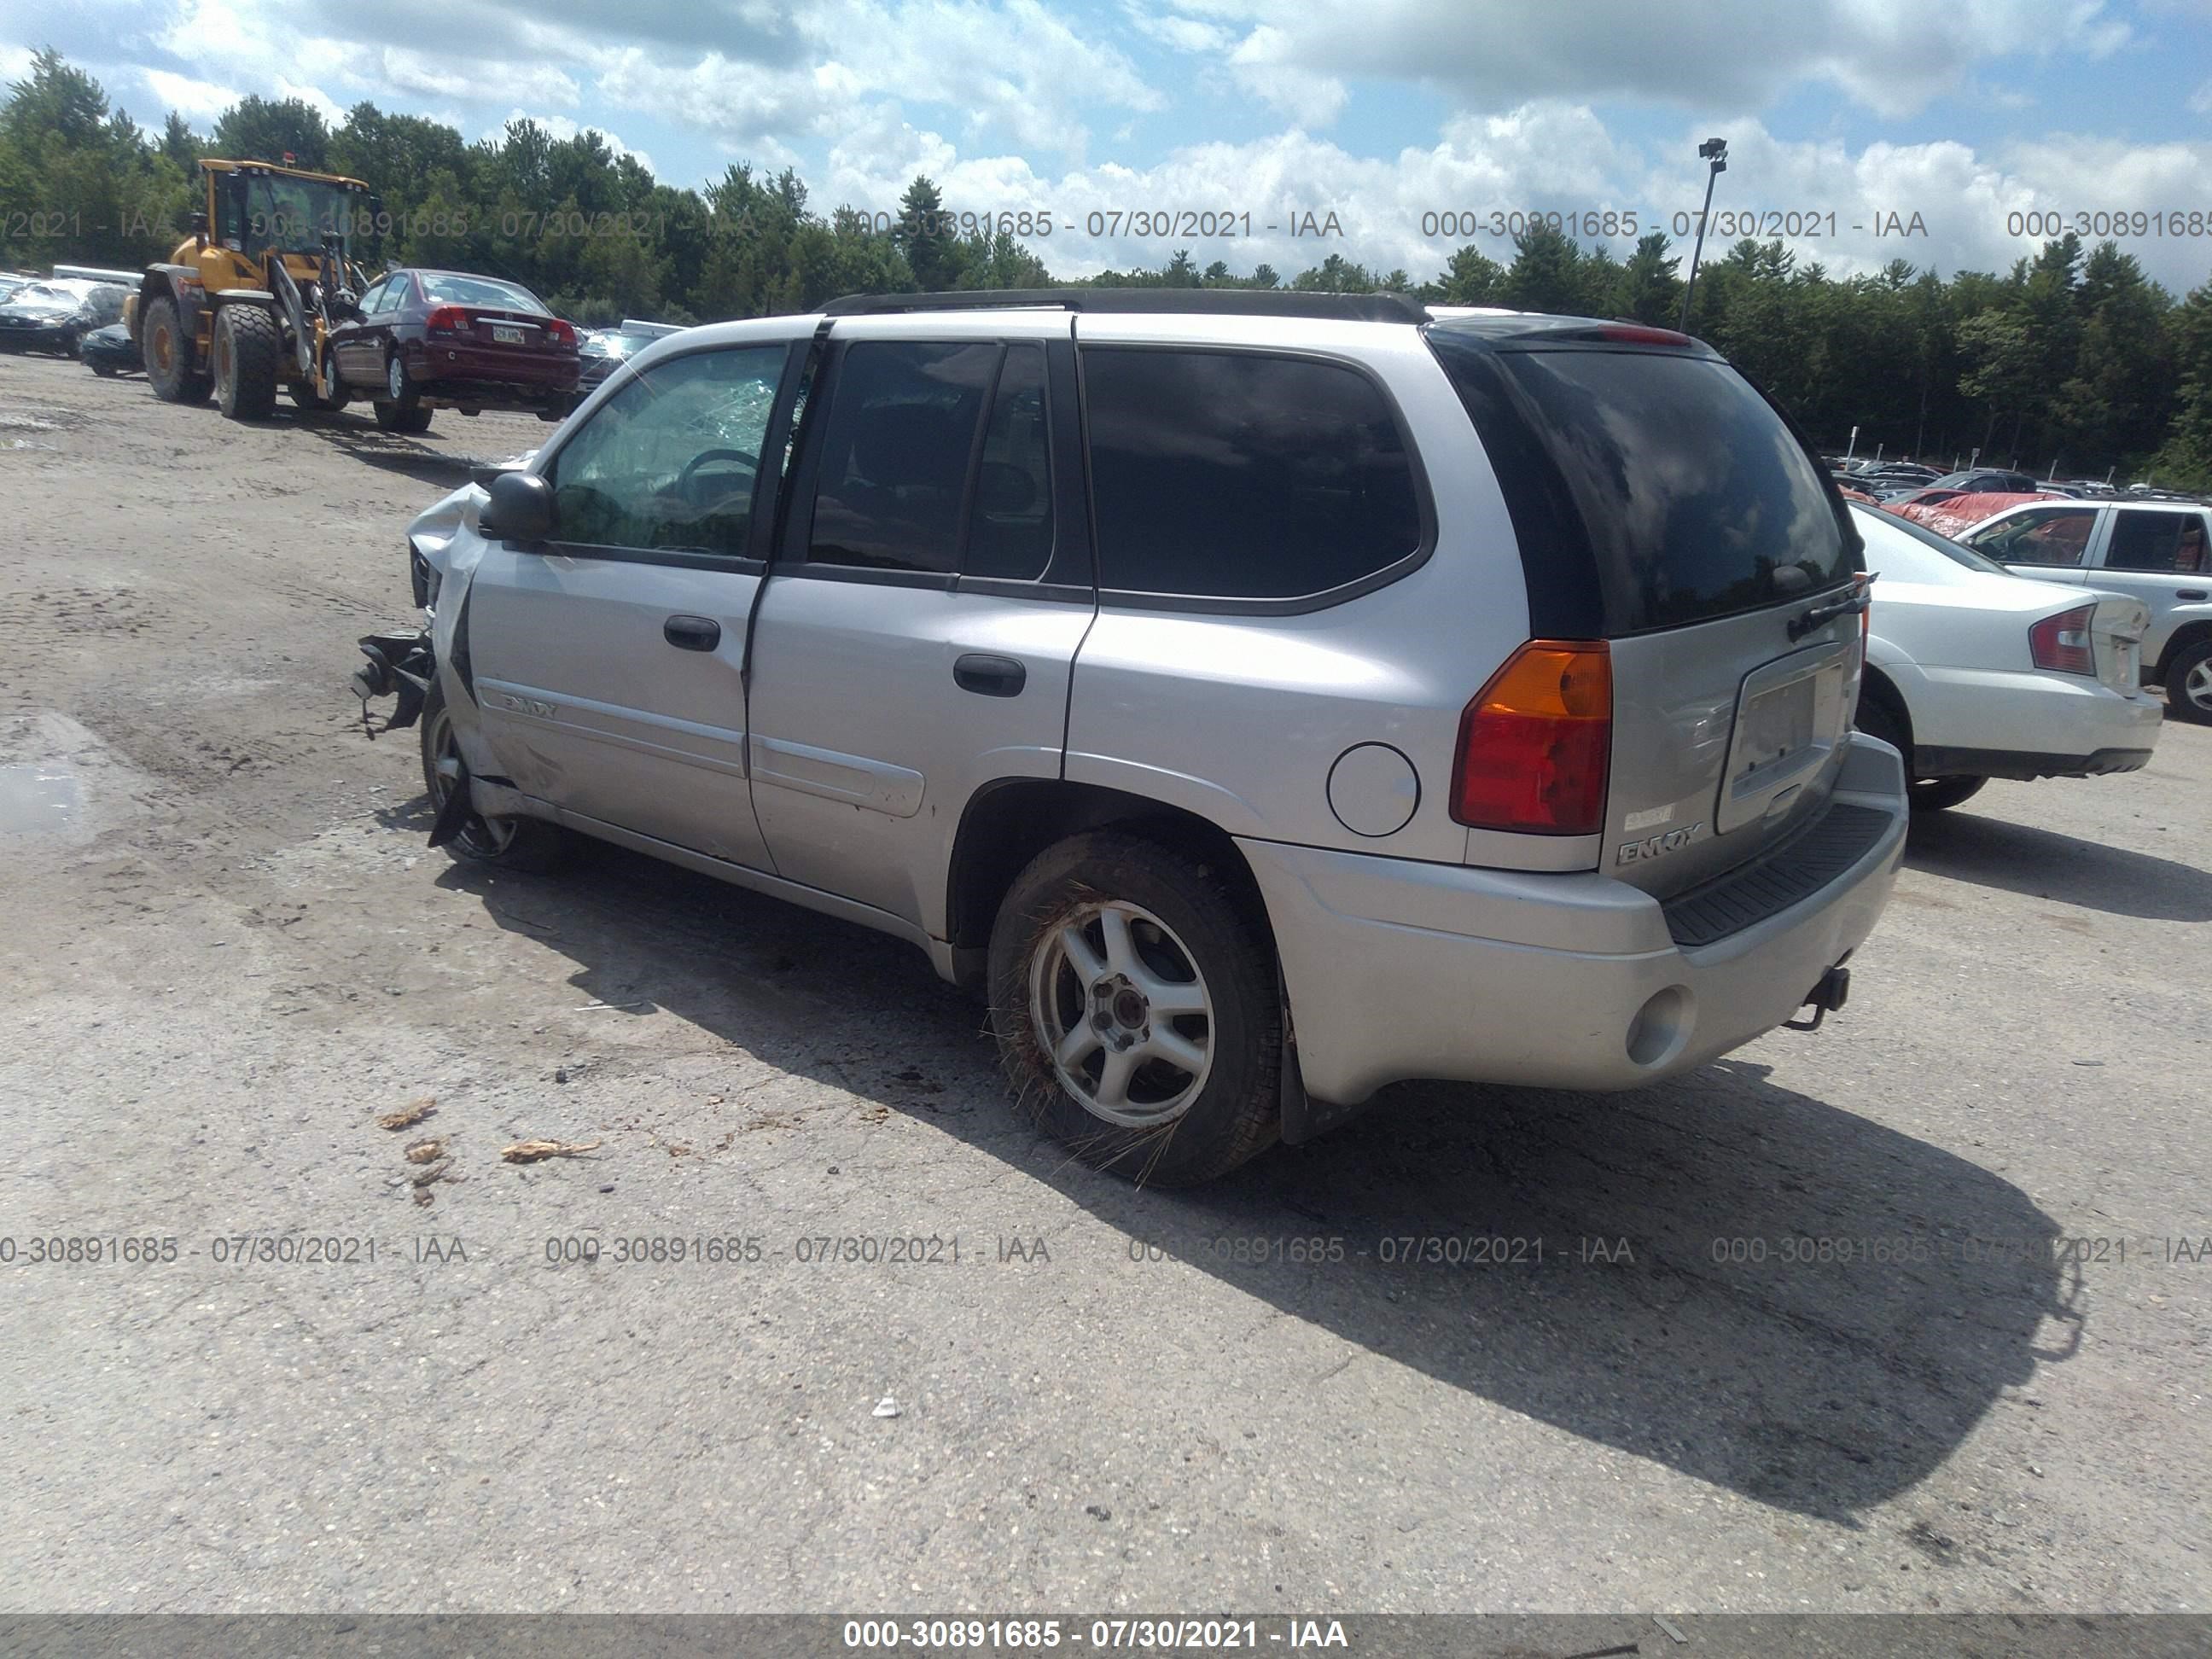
x,y
1714,153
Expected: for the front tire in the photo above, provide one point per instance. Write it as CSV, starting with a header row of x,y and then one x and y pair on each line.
x,y
1134,998
528,845
246,349
2189,683
167,352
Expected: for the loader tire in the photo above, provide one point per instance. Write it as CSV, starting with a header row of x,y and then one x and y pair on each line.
x,y
248,348
168,350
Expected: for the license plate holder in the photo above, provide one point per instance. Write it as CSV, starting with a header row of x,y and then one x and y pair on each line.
x,y
506,334
1789,719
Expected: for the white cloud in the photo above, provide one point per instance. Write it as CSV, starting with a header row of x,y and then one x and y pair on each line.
x,y
1549,156
196,101
1893,56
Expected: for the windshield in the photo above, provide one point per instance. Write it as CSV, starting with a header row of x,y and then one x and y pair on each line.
x,y
293,215
1875,524
443,288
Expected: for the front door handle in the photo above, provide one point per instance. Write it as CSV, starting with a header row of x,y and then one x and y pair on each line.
x,y
988,676
692,633
2191,593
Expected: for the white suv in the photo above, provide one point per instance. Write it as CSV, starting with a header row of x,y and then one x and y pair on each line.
x,y
1261,698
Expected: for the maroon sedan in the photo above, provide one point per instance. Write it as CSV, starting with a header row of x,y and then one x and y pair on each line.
x,y
442,339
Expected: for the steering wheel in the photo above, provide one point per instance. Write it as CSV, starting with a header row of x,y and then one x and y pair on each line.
x,y
683,478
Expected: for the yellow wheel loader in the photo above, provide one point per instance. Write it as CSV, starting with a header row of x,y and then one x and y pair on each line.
x,y
246,302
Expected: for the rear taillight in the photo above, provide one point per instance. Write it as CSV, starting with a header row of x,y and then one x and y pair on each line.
x,y
562,334
447,320
1536,743
2061,643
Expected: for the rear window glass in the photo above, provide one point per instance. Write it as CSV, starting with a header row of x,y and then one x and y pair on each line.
x,y
1665,482
1232,474
444,289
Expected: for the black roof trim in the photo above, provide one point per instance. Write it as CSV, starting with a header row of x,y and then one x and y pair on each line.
x,y
1199,302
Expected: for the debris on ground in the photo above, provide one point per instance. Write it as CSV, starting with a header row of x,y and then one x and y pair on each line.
x,y
410,1115
529,1151
425,1152
888,1407
442,1171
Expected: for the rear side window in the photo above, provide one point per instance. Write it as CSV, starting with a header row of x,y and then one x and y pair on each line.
x,y
1233,475
2046,536
1648,489
2154,541
902,427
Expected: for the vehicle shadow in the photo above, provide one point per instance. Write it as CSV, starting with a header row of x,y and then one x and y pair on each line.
x,y
1666,1297
362,440
2044,864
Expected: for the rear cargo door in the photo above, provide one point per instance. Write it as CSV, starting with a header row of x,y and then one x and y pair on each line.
x,y
1663,505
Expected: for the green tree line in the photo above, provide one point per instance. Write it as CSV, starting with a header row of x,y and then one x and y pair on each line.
x,y
2073,362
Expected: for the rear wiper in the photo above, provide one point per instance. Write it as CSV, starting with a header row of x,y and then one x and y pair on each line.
x,y
1862,595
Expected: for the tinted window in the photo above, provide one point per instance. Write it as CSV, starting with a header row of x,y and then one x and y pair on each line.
x,y
2056,535
1668,478
902,428
1235,476
1010,524
2155,541
668,462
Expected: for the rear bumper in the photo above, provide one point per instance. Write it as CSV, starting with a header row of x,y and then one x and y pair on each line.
x,y
1928,763
2026,725
1397,968
513,373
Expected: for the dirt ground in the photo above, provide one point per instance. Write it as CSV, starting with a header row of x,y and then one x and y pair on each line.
x,y
227,952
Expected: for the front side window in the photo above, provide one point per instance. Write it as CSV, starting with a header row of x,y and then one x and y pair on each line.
x,y
2047,536
1232,474
669,462
902,428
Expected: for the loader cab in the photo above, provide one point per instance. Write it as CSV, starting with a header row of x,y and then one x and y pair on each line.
x,y
253,210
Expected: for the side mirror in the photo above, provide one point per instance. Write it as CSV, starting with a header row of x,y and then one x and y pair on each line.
x,y
199,224
376,209
520,508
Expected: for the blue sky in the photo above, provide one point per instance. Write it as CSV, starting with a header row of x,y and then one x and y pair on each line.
x,y
1378,111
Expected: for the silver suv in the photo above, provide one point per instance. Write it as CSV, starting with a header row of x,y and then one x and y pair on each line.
x,y
1260,697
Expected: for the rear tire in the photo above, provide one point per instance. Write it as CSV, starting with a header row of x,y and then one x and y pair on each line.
x,y
247,348
2189,683
530,845
399,410
167,352
393,418
1133,995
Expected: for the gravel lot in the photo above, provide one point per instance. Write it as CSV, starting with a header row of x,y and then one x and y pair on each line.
x,y
227,952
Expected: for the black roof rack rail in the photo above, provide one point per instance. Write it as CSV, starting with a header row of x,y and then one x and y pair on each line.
x,y
1198,301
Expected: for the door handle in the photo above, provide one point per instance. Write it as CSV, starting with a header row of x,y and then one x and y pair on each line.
x,y
2191,593
988,676
692,633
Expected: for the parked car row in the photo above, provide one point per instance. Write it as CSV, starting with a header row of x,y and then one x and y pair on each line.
x,y
54,313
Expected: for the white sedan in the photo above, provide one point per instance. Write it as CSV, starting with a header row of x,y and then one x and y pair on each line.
x,y
1975,673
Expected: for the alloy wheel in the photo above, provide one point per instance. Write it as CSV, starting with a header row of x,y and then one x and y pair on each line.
x,y
488,837
2197,686
1120,1007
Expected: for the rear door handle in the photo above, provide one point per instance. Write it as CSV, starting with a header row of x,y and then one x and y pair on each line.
x,y
2191,593
692,633
988,676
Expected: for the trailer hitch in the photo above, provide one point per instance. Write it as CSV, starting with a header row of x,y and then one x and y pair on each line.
x,y
398,665
1832,991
